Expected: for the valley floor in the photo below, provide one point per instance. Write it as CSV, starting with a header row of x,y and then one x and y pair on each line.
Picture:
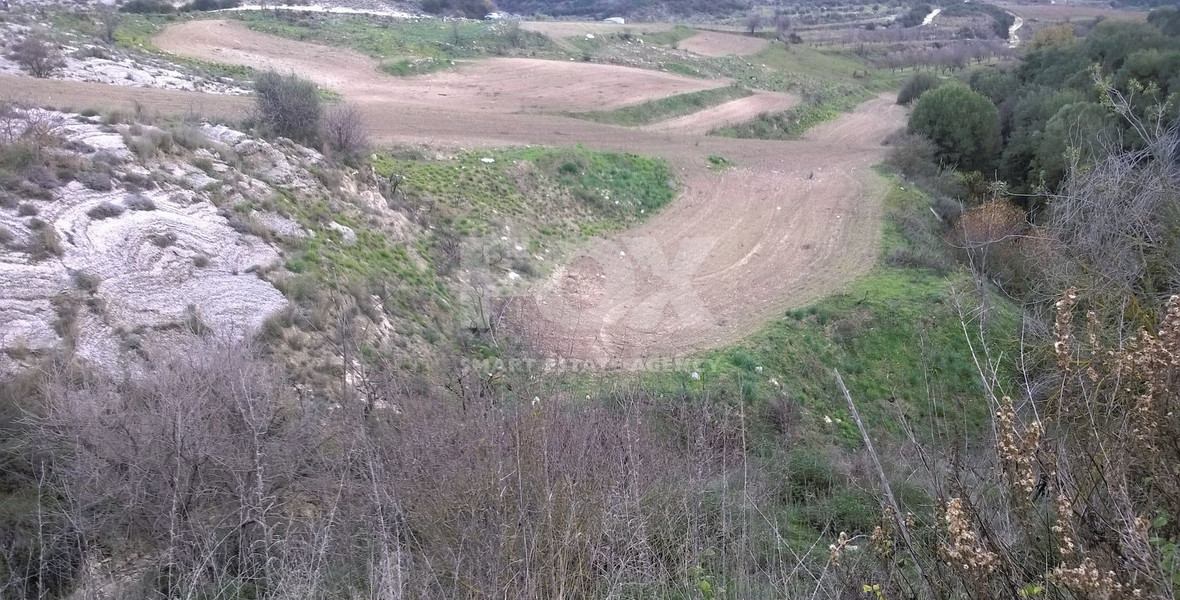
x,y
783,224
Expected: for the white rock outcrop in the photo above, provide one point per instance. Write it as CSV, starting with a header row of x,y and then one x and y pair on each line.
x,y
132,267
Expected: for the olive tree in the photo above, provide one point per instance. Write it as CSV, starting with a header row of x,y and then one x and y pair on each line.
x,y
964,126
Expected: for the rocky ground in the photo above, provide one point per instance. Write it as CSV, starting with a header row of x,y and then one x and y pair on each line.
x,y
88,60
116,238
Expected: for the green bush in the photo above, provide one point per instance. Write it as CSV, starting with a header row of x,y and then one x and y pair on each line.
x,y
964,126
811,473
144,7
915,86
850,510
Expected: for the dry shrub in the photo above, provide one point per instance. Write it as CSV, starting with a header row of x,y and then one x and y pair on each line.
x,y
44,243
1067,499
38,57
105,210
289,106
97,181
989,224
344,132
223,480
139,202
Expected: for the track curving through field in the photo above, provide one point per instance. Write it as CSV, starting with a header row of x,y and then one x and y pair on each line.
x,y
787,224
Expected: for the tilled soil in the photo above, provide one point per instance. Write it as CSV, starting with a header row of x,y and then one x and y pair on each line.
x,y
714,43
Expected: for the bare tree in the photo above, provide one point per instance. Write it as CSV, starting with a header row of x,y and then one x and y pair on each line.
x,y
344,132
754,21
109,20
38,57
782,26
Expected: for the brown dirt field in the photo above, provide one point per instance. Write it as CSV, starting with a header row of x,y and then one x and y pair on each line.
x,y
788,224
1062,12
729,113
791,223
497,84
713,43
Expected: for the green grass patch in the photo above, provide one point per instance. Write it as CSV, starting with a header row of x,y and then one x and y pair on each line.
x,y
670,37
396,39
555,193
719,163
408,67
669,107
795,121
685,70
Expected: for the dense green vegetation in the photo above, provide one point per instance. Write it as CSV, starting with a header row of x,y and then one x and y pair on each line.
x,y
963,124
915,86
472,9
1056,82
665,108
915,15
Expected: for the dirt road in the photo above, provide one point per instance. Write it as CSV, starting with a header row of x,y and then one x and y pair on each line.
x,y
729,113
787,224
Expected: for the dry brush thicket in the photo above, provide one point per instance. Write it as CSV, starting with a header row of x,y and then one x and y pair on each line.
x,y
208,479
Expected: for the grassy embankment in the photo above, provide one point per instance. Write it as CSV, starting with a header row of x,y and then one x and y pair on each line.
x,y
669,107
897,338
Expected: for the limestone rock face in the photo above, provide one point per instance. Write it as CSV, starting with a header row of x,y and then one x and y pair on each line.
x,y
108,273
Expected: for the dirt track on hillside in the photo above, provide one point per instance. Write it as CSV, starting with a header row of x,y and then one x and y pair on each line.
x,y
729,113
493,85
789,223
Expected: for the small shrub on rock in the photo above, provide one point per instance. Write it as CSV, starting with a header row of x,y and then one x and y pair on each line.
x,y
163,240
106,210
39,58
99,182
289,106
139,202
44,244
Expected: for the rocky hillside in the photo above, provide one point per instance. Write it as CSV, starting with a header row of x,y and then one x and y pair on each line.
x,y
75,57
116,237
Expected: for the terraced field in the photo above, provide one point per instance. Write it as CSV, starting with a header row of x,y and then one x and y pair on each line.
x,y
786,224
